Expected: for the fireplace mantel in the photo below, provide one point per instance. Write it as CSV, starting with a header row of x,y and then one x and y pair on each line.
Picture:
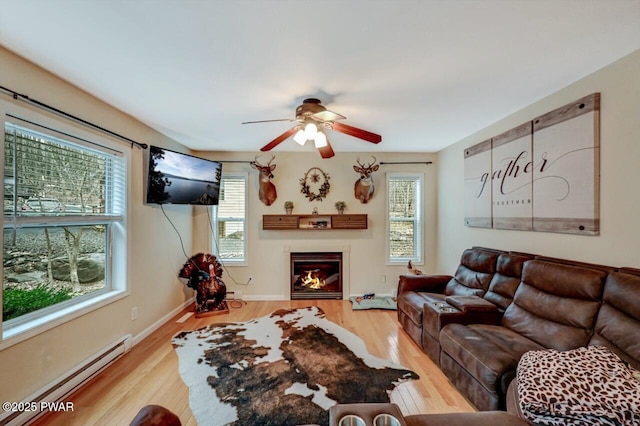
x,y
281,222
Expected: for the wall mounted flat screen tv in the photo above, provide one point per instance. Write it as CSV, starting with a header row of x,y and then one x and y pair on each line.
x,y
175,178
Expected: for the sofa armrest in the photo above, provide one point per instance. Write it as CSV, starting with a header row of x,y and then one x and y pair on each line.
x,y
469,303
476,309
480,418
513,402
438,314
427,283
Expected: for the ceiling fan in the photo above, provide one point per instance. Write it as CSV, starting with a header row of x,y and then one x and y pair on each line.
x,y
313,119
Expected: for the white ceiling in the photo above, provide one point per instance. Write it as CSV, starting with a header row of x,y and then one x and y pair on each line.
x,y
423,74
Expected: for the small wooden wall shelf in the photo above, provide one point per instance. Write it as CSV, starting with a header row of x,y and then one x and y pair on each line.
x,y
278,222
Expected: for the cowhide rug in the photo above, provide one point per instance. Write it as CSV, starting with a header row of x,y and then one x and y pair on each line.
x,y
287,368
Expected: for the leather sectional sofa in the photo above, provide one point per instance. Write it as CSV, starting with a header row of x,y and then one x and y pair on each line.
x,y
477,324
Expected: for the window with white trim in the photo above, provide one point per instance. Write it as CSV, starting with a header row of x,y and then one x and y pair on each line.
x,y
404,217
64,233
229,218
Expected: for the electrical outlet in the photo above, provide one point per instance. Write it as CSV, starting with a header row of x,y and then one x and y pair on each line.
x,y
250,279
134,313
383,279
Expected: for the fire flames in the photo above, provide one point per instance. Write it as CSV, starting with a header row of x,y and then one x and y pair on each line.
x,y
312,281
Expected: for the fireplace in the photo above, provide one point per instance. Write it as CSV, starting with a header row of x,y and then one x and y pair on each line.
x,y
316,275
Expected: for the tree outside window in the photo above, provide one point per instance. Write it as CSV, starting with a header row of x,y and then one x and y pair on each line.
x,y
60,199
404,217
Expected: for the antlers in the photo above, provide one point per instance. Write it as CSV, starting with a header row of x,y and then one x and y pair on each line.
x,y
367,167
256,164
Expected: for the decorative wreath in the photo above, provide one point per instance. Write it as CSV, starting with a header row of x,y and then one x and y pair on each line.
x,y
315,179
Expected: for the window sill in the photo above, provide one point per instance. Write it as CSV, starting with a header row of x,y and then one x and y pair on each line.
x,y
233,263
404,262
22,332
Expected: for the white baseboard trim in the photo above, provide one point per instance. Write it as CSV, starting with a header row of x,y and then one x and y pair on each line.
x,y
259,298
377,295
255,298
156,325
281,297
54,393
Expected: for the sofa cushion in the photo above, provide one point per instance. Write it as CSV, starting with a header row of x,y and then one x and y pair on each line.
x,y
618,322
489,353
556,304
505,281
473,275
600,389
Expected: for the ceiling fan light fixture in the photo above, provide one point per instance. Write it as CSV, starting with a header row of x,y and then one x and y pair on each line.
x,y
311,121
320,140
300,137
310,131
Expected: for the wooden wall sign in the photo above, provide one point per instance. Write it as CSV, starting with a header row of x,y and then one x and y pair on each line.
x,y
477,185
511,164
567,175
542,175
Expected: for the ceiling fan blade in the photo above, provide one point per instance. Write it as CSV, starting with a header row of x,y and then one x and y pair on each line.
x,y
358,133
326,151
327,115
276,141
267,121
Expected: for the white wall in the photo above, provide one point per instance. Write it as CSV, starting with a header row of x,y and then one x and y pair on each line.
x,y
154,256
619,241
268,256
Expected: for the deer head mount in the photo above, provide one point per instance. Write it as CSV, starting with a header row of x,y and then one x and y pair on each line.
x,y
267,193
363,189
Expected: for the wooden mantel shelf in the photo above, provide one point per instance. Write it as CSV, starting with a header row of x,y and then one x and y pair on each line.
x,y
281,222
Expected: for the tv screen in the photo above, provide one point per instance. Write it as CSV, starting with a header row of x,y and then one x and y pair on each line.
x,y
176,178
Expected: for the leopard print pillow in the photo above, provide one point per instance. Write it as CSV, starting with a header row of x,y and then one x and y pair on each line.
x,y
584,386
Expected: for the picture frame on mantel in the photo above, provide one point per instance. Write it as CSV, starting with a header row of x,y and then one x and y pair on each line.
x,y
543,175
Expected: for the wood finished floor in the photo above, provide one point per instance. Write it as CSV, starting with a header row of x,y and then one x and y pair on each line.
x,y
148,374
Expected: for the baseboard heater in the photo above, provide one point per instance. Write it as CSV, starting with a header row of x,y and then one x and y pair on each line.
x,y
70,382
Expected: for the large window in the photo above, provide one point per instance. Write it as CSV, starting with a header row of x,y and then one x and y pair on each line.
x,y
404,217
230,225
64,217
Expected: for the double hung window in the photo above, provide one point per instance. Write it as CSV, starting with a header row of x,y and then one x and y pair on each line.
x,y
64,236
230,219
404,217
